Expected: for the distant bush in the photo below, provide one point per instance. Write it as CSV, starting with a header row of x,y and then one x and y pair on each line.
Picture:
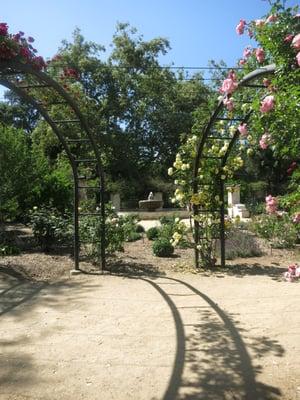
x,y
162,248
152,233
140,228
280,230
133,236
49,227
7,244
241,243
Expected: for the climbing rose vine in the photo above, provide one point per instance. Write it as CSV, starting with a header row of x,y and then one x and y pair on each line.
x,y
17,46
273,125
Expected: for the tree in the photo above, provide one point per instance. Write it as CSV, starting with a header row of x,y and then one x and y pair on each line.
x,y
16,172
137,109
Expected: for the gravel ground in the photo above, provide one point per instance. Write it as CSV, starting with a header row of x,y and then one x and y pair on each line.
x,y
149,329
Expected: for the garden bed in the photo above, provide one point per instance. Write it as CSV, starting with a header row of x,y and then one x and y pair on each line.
x,y
137,259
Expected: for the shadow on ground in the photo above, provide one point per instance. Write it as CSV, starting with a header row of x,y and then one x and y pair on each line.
x,y
212,359
132,268
240,270
214,354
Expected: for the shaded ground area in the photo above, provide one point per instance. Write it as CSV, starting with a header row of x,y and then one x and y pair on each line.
x,y
148,329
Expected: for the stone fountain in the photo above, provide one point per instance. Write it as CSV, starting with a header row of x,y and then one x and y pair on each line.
x,y
151,204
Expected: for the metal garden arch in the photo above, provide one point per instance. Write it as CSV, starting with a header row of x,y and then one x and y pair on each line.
x,y
29,83
252,81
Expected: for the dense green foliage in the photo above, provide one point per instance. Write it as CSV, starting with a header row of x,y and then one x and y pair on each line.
x,y
152,233
16,172
162,248
281,231
50,227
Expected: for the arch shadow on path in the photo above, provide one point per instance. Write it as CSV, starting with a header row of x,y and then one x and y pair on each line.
x,y
211,362
18,301
224,369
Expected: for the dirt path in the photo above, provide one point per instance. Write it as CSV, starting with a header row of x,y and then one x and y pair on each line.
x,y
180,336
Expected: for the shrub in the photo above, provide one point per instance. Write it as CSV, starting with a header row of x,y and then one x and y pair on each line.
x,y
280,230
174,230
166,220
9,250
133,236
140,228
49,227
7,243
241,243
152,233
129,226
162,248
90,233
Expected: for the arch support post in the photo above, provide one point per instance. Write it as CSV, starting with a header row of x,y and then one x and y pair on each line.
x,y
196,238
222,224
102,224
76,221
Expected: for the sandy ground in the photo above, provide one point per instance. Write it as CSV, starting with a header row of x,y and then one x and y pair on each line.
x,y
145,332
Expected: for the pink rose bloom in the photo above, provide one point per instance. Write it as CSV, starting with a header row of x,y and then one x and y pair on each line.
x,y
232,75
267,104
242,62
288,38
296,218
292,269
271,18
271,205
247,52
298,58
264,142
228,86
259,22
24,51
242,128
288,277
260,55
3,29
263,145
228,103
39,62
296,42
240,28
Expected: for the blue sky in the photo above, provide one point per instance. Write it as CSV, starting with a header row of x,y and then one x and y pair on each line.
x,y
198,30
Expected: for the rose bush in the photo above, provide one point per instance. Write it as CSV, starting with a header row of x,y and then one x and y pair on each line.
x,y
274,124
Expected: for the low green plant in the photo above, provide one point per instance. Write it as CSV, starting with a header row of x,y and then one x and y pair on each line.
x,y
90,233
49,227
291,201
140,228
162,248
133,236
241,243
129,225
8,246
152,233
279,229
9,250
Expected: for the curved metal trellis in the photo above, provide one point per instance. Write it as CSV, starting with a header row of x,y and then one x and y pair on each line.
x,y
208,137
30,84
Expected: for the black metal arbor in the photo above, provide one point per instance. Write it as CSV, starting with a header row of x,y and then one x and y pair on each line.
x,y
210,136
31,85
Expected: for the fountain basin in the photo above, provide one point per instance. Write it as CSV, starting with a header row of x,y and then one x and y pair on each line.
x,y
150,205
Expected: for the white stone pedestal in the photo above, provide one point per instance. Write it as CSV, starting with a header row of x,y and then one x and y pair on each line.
x,y
235,207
